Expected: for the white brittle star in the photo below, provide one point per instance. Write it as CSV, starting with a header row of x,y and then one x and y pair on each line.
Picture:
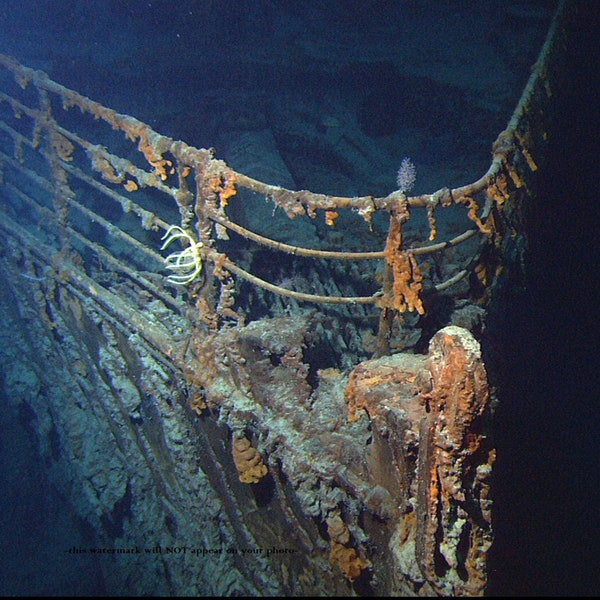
x,y
186,263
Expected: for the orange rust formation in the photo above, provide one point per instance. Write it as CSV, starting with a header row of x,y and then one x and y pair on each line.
x,y
455,471
370,382
342,553
223,184
407,280
198,403
440,406
131,186
331,216
473,210
248,462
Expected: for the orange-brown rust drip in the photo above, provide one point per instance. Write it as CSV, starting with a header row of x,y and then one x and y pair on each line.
x,y
473,210
207,314
61,145
514,176
348,560
131,186
71,98
103,166
407,277
162,167
150,144
523,143
342,553
455,461
331,216
498,189
198,403
291,202
248,462
223,185
216,183
432,222
220,261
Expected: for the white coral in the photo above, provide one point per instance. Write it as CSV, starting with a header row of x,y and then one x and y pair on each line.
x,y
186,263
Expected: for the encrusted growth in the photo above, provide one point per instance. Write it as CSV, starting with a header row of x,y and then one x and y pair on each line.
x,y
248,461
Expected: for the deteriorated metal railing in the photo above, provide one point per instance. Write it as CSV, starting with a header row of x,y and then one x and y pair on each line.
x,y
99,182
